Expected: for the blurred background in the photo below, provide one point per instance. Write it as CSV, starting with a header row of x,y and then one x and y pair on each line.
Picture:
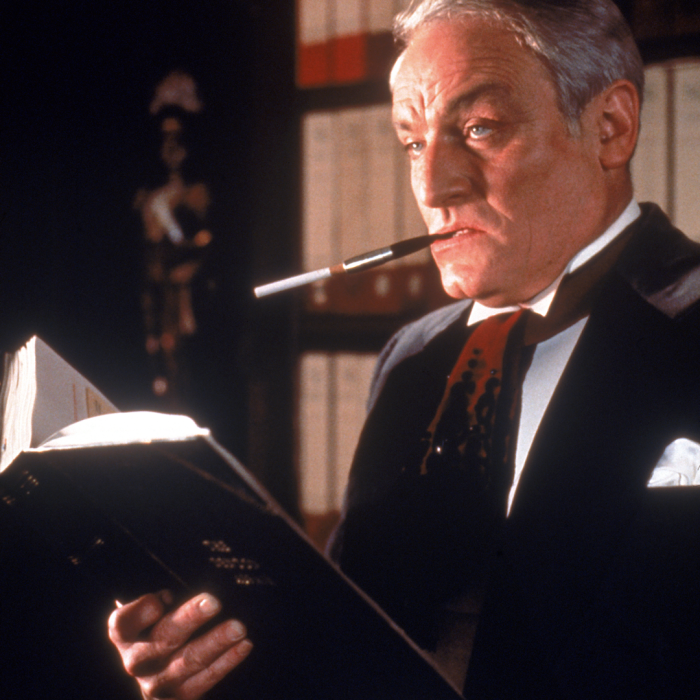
x,y
159,159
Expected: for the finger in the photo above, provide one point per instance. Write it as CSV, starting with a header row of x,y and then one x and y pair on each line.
x,y
168,635
200,653
202,663
175,628
129,620
215,672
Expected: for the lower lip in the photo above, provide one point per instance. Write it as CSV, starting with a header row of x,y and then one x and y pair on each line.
x,y
456,238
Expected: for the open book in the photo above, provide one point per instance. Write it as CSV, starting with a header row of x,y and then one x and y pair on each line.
x,y
138,502
41,393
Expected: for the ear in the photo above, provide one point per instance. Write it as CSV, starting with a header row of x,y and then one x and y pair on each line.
x,y
617,124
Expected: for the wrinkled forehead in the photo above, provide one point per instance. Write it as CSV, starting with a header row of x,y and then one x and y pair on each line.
x,y
443,41
444,57
465,26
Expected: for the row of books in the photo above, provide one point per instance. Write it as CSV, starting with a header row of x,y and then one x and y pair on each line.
x,y
333,389
356,192
666,165
356,197
344,41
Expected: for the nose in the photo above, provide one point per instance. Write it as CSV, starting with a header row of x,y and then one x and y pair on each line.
x,y
443,176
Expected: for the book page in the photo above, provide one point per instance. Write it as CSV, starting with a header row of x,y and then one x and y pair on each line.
x,y
124,429
17,402
41,394
63,395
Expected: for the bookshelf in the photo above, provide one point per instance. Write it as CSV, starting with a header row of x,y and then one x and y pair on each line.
x,y
342,42
666,165
355,196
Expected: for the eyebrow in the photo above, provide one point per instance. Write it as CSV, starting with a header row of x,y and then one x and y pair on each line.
x,y
463,100
473,95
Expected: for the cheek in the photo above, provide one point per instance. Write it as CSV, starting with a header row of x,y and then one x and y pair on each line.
x,y
529,201
519,191
427,213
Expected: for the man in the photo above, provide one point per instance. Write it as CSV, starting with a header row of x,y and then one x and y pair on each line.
x,y
520,540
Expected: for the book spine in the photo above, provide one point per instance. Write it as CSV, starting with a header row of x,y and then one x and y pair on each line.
x,y
649,166
334,387
342,42
686,157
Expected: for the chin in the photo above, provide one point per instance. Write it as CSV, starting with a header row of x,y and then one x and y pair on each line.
x,y
454,286
487,288
467,280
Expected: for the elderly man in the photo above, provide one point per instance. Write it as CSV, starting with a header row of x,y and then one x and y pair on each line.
x,y
500,506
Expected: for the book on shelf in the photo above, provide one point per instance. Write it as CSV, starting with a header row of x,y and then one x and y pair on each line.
x,y
650,163
666,163
686,130
340,42
333,392
142,501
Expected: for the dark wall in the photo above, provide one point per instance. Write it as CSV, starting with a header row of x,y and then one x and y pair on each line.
x,y
75,145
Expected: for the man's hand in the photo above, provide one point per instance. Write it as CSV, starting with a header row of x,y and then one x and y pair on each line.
x,y
154,643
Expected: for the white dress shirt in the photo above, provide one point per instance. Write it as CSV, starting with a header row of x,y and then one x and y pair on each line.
x,y
551,356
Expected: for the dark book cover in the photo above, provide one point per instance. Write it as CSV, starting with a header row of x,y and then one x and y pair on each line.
x,y
186,515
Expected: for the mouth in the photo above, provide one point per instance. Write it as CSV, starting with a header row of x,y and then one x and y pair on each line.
x,y
443,238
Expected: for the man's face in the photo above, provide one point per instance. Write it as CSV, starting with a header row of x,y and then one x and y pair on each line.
x,y
491,157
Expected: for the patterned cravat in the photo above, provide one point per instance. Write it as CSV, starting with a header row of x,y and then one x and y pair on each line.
x,y
463,432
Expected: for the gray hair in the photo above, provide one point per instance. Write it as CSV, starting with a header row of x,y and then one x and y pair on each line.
x,y
585,44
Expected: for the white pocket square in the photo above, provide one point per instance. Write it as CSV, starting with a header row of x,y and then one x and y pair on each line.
x,y
679,465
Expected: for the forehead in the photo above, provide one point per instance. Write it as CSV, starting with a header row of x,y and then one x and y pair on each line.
x,y
447,57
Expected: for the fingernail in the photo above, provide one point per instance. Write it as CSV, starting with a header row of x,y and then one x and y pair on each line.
x,y
235,630
209,605
244,647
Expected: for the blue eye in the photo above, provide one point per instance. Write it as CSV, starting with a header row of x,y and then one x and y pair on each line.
x,y
479,131
414,147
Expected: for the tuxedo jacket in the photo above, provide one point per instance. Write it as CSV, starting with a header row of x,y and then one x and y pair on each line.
x,y
594,587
